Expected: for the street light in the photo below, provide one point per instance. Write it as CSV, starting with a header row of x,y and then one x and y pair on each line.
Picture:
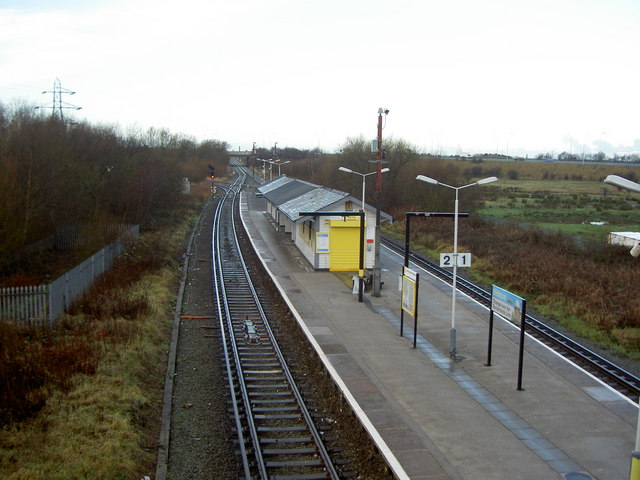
x,y
264,168
452,333
363,175
278,163
620,182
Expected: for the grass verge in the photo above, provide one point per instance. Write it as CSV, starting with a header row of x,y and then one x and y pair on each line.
x,y
102,422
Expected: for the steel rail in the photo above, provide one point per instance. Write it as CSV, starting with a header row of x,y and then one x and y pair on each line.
x,y
230,310
292,383
610,373
222,315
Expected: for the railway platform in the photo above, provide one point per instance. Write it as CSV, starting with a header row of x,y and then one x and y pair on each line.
x,y
436,418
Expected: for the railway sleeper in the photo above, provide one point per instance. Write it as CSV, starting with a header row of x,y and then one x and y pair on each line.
x,y
275,386
257,378
253,364
272,401
290,428
275,409
290,451
273,394
316,462
262,350
274,440
281,416
306,476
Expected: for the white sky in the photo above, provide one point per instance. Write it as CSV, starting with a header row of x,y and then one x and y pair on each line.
x,y
514,76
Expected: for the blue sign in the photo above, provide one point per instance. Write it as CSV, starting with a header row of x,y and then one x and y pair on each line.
x,y
506,304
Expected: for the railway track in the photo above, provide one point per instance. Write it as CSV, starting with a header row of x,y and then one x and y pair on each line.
x,y
610,373
277,436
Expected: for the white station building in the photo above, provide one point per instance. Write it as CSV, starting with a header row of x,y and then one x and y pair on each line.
x,y
329,242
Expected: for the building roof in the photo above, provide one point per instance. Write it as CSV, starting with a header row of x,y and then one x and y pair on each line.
x,y
283,189
312,201
290,196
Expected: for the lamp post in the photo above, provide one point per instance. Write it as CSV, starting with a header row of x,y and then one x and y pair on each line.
x,y
364,176
278,163
621,182
452,332
264,168
377,275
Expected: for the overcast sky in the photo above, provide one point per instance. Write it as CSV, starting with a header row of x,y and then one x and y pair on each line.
x,y
513,76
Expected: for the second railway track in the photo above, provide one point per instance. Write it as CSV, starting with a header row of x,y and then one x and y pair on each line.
x,y
607,371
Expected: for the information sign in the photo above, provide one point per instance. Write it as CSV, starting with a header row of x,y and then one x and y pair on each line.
x,y
409,291
322,242
506,304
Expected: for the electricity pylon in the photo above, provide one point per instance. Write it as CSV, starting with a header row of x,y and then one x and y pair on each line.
x,y
58,105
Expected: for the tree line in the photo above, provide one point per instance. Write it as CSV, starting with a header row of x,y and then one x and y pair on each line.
x,y
54,174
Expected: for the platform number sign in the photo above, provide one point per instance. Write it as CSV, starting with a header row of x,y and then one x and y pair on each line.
x,y
448,260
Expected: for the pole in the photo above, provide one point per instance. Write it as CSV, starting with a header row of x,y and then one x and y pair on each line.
x,y
376,263
452,332
521,352
635,455
361,271
363,186
415,317
490,341
407,233
407,236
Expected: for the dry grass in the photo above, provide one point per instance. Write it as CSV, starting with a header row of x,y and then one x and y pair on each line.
x,y
593,288
95,409
548,171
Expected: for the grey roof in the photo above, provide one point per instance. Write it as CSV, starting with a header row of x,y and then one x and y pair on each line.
x,y
274,184
312,201
291,196
283,189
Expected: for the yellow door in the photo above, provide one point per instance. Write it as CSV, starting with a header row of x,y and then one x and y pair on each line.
x,y
344,248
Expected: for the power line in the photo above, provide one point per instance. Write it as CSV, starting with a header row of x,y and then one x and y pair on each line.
x,y
58,105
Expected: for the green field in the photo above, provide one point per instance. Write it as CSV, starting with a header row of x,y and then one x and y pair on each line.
x,y
569,206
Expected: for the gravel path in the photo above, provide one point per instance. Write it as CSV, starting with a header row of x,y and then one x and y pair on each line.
x,y
201,445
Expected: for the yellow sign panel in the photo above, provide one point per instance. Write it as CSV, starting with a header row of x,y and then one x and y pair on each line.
x,y
409,291
409,296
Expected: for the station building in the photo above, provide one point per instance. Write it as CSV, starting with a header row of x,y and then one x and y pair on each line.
x,y
329,242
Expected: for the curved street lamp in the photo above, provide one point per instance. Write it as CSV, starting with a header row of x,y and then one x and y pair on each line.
x,y
279,163
364,176
621,182
452,332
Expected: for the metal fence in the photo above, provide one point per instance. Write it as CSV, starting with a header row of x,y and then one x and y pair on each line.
x,y
40,305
